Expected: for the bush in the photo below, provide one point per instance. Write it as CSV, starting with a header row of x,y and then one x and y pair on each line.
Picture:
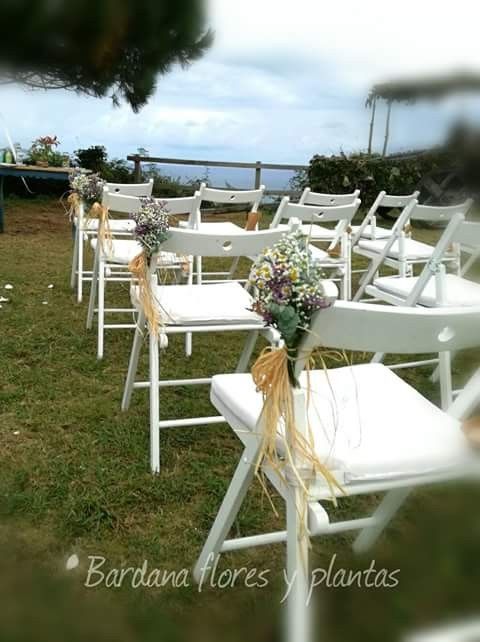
x,y
371,174
95,158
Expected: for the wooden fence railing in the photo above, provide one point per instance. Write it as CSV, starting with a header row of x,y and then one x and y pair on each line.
x,y
257,166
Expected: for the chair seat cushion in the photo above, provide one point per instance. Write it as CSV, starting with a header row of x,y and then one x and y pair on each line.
x,y
414,250
315,232
458,291
366,422
116,225
368,232
215,303
123,251
324,257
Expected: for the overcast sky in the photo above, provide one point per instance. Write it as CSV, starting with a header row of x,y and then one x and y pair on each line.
x,y
284,80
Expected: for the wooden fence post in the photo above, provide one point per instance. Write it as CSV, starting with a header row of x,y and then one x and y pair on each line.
x,y
137,170
258,174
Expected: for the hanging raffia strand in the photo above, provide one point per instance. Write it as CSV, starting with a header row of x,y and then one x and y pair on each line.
x,y
252,221
272,376
140,268
104,232
73,201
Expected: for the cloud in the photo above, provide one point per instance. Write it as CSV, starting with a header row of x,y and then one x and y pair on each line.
x,y
283,81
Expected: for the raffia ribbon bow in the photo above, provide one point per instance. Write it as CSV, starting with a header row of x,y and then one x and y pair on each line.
x,y
96,211
471,429
272,374
140,268
252,221
73,201
104,231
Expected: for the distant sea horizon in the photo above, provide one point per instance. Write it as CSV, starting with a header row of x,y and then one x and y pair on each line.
x,y
224,177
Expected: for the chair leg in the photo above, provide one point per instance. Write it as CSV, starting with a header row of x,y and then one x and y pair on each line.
x,y
198,260
233,267
93,291
101,309
382,516
435,376
445,371
378,357
80,268
370,274
188,344
73,274
343,286
348,276
154,369
247,351
188,336
231,504
133,362
298,611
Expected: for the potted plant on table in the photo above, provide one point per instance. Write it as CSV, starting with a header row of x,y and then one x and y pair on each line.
x,y
43,152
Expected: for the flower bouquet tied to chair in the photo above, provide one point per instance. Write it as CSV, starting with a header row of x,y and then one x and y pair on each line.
x,y
86,193
86,186
152,229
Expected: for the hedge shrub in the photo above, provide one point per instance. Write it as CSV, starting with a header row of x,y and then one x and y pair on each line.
x,y
371,174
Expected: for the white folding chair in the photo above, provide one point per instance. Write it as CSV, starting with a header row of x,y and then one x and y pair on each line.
x,y
388,443
199,308
250,198
310,215
85,229
112,259
434,288
368,229
320,232
403,253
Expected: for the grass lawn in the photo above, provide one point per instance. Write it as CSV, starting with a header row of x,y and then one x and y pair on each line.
x,y
74,480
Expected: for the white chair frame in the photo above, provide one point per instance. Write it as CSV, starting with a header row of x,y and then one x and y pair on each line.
x,y
105,270
327,200
403,264
194,243
349,326
342,215
82,232
252,198
383,200
458,232
317,199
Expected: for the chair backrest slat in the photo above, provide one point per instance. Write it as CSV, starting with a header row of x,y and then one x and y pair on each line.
x,y
193,242
181,204
232,196
314,214
389,200
378,328
439,213
131,189
131,204
327,200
